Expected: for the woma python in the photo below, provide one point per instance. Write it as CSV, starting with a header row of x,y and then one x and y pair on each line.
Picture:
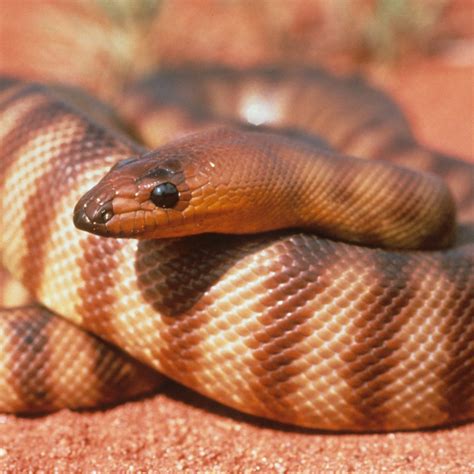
x,y
264,268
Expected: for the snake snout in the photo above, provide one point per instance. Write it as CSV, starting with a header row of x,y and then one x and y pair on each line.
x,y
93,211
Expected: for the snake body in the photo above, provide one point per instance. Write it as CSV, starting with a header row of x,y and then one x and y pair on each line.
x,y
286,324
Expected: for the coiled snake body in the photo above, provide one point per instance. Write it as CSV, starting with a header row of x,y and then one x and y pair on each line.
x,y
294,325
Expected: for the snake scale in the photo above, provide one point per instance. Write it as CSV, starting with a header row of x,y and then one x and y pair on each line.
x,y
359,316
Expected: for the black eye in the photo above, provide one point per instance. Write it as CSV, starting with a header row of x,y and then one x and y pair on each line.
x,y
165,195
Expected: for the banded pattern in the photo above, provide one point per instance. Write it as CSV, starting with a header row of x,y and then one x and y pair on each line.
x,y
288,326
47,363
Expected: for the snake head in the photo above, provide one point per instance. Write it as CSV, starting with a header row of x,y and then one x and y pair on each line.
x,y
183,188
137,196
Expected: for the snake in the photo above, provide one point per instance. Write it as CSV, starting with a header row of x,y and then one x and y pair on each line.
x,y
275,239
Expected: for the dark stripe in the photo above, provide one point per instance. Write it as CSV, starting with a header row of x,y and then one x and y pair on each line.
x,y
296,277
187,269
97,264
454,172
18,91
370,356
67,151
30,356
7,83
20,134
369,126
118,376
49,187
173,277
34,370
458,329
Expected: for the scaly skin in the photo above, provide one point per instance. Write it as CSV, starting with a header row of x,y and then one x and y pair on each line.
x,y
283,325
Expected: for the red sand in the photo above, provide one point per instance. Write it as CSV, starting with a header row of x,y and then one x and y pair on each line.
x,y
180,431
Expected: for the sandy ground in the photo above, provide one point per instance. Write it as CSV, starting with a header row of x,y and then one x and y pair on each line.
x,y
177,430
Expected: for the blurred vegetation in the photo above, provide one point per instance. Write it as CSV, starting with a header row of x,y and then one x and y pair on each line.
x,y
101,44
127,12
366,30
400,26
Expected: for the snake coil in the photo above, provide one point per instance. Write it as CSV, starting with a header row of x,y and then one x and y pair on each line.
x,y
353,309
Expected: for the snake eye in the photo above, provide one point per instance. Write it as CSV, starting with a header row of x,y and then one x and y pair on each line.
x,y
165,195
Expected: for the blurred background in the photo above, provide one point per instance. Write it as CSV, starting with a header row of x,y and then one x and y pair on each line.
x,y
422,51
